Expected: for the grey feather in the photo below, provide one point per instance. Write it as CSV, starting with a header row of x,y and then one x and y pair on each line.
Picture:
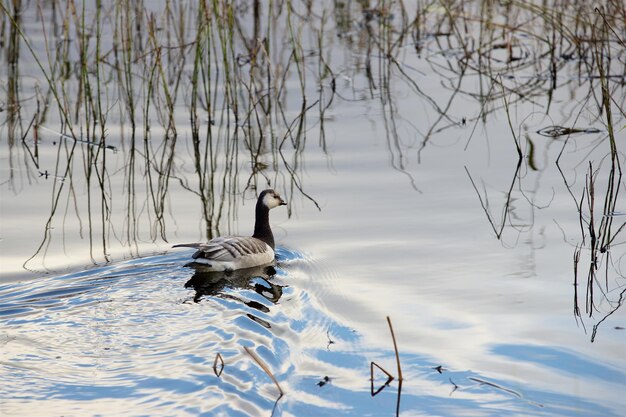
x,y
236,252
227,248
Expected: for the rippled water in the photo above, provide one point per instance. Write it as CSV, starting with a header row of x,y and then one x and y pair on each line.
x,y
142,338
433,177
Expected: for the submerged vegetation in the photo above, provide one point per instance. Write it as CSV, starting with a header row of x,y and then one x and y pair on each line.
x,y
219,97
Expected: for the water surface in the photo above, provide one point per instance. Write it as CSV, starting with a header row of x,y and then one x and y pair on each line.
x,y
393,133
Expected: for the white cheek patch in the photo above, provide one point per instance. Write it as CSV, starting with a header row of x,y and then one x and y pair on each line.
x,y
270,201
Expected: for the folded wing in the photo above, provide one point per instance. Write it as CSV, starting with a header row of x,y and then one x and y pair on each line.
x,y
228,248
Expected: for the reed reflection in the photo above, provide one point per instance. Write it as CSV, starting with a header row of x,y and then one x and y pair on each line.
x,y
208,104
13,76
132,96
486,53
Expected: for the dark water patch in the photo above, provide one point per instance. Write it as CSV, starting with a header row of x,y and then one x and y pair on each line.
x,y
15,311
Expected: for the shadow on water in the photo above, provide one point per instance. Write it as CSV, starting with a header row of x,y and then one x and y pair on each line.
x,y
211,283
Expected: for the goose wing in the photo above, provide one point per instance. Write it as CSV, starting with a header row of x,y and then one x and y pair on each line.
x,y
228,248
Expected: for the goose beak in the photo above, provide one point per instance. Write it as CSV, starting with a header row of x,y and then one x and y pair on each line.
x,y
282,202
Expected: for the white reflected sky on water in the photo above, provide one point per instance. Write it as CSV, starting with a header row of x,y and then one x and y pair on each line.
x,y
431,262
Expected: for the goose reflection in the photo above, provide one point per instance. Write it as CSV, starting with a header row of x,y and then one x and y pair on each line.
x,y
206,282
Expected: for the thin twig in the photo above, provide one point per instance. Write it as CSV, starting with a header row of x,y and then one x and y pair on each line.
x,y
395,347
219,358
387,382
265,368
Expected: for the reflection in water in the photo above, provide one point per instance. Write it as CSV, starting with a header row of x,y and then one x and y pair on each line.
x,y
13,76
205,105
211,283
123,339
503,73
241,135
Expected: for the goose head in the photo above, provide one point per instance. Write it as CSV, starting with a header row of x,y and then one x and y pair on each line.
x,y
270,199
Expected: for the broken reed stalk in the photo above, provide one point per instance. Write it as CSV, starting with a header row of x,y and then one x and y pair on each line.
x,y
389,379
265,368
218,358
395,347
576,260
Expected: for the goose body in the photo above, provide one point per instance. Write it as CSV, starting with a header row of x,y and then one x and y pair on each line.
x,y
229,253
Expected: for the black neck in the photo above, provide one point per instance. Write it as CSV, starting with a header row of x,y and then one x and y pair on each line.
x,y
262,229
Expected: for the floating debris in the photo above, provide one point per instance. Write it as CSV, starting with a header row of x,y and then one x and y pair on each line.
x,y
330,341
323,381
439,369
86,142
504,389
496,386
47,175
455,386
555,131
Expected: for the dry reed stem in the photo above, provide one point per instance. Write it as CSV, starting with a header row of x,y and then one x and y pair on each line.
x,y
265,368
395,347
221,360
